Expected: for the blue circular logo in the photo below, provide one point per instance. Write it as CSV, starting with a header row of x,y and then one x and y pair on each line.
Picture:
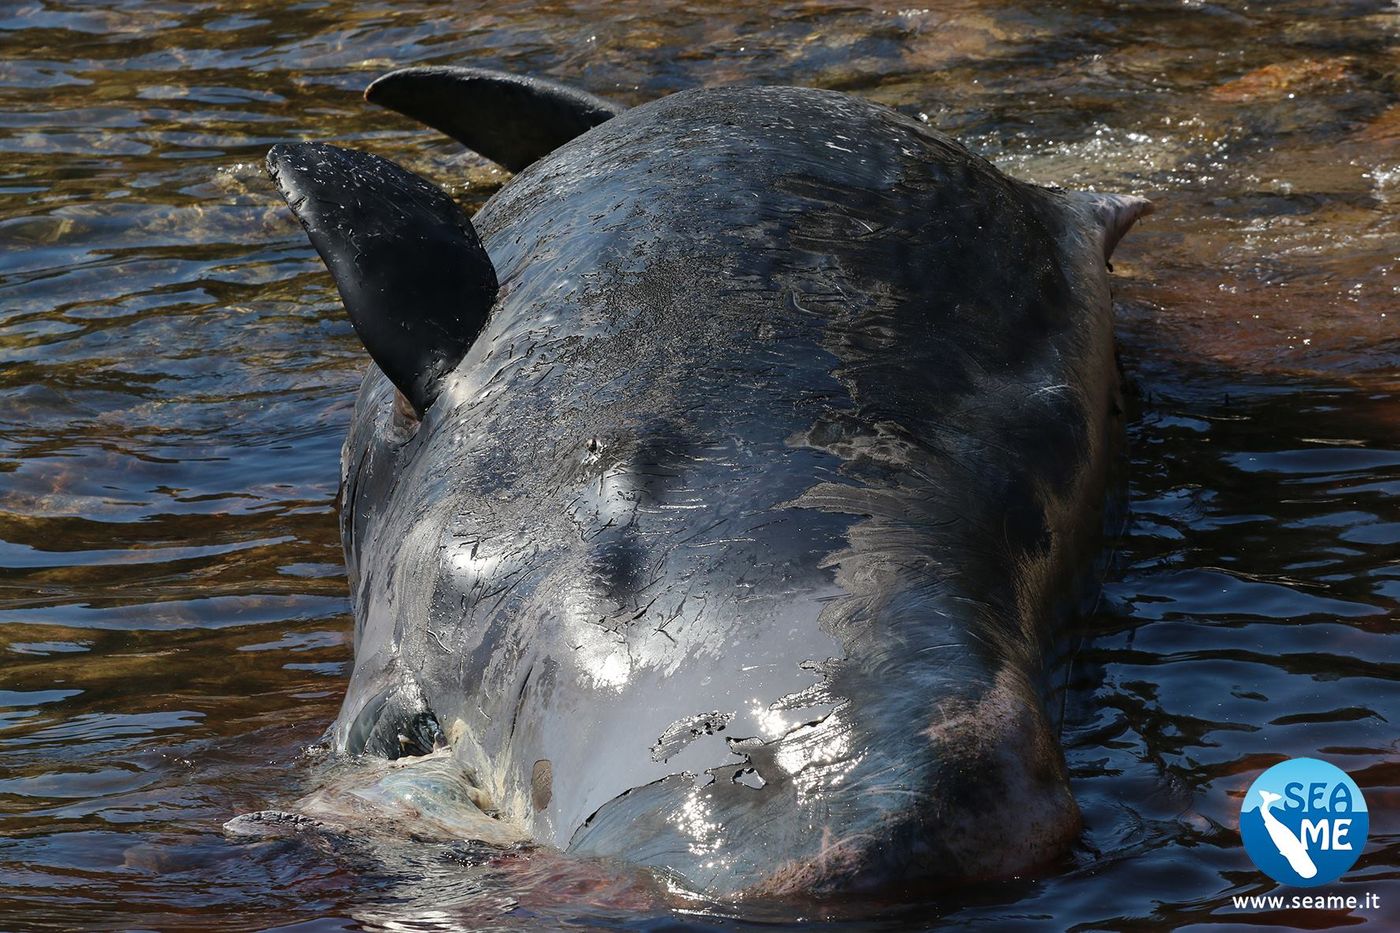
x,y
1303,822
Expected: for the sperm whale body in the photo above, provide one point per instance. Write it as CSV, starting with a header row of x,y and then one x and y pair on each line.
x,y
721,487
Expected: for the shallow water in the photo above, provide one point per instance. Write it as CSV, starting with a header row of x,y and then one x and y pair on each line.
x,y
177,378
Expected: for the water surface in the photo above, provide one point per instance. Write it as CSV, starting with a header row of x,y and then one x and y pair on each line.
x,y
176,379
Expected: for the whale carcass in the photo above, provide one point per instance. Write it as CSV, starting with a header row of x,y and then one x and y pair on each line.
x,y
720,488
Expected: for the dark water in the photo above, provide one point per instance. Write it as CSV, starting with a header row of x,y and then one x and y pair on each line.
x,y
177,377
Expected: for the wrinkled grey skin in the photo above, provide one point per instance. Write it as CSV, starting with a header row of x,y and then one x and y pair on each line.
x,y
735,545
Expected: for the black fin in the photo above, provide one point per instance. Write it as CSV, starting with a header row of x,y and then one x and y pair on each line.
x,y
409,267
1107,216
510,119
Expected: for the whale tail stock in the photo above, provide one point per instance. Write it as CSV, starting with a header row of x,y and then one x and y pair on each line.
x,y
512,120
410,268
1268,797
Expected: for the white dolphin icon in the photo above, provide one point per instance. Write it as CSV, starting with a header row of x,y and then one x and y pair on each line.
x,y
1289,845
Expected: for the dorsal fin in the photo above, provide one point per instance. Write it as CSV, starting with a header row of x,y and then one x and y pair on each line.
x,y
510,119
409,267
